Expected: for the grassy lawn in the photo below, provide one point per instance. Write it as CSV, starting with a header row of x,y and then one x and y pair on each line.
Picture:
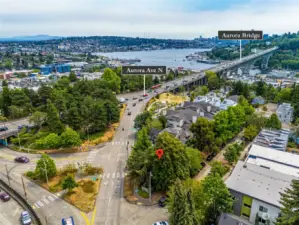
x,y
172,99
142,193
157,124
84,196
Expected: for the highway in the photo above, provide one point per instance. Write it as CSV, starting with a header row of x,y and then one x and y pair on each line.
x,y
111,208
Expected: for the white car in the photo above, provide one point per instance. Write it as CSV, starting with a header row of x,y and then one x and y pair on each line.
x,y
25,218
161,223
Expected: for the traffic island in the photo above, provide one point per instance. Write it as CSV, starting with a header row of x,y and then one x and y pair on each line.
x,y
84,196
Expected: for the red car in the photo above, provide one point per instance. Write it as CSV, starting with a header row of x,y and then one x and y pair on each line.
x,y
5,197
145,95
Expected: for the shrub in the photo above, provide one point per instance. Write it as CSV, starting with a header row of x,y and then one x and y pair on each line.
x,y
92,170
69,168
31,175
219,168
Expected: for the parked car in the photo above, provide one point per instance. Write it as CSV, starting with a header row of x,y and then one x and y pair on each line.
x,y
134,98
3,128
134,104
144,95
202,164
162,201
25,218
22,159
129,113
211,156
140,100
68,221
4,196
161,223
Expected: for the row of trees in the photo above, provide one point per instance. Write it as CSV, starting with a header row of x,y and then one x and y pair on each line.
x,y
194,203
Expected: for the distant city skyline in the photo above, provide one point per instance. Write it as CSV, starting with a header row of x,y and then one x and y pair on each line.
x,y
178,19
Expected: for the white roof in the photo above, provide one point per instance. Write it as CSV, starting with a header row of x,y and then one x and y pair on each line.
x,y
284,162
258,182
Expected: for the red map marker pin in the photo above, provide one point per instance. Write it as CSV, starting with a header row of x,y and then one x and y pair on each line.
x,y
159,153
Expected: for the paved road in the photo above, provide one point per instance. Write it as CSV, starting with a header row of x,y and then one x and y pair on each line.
x,y
10,212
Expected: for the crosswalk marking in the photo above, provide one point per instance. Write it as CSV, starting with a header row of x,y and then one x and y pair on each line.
x,y
108,175
36,205
113,175
55,196
45,200
131,143
117,175
40,204
51,198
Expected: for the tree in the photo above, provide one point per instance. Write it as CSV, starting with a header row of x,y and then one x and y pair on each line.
x,y
51,141
201,90
143,142
163,121
173,164
181,207
256,120
217,198
70,138
203,135
260,88
45,166
156,80
141,120
72,76
6,100
73,118
232,153
111,77
218,168
250,132
195,159
289,202
38,119
53,120
213,80
69,183
273,122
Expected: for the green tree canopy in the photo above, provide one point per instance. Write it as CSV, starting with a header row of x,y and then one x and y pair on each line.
x,y
273,122
142,119
213,80
69,182
250,132
70,138
111,77
290,205
38,118
45,165
53,120
173,164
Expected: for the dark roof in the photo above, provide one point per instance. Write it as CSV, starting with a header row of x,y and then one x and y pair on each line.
x,y
154,133
229,219
235,98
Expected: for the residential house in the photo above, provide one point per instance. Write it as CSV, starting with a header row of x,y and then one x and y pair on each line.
x,y
275,139
256,192
258,100
285,112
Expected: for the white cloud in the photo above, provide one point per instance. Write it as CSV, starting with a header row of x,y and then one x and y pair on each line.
x,y
133,18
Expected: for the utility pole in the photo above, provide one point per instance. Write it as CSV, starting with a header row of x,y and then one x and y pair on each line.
x,y
240,50
150,187
144,85
24,188
7,175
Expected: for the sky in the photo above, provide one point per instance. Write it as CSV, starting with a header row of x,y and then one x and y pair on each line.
x,y
179,19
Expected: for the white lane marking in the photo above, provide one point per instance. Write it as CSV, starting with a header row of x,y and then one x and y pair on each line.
x,y
104,175
108,175
41,204
45,200
117,175
36,205
113,175
55,196
51,198
112,143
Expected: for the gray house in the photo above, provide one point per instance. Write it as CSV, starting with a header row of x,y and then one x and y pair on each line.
x,y
285,113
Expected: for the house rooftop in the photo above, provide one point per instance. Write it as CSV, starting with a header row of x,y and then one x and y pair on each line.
x,y
276,139
258,182
284,162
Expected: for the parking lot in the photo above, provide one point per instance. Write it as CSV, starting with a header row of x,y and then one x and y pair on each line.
x,y
10,212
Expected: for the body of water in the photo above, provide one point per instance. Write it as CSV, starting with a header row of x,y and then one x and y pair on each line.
x,y
167,57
